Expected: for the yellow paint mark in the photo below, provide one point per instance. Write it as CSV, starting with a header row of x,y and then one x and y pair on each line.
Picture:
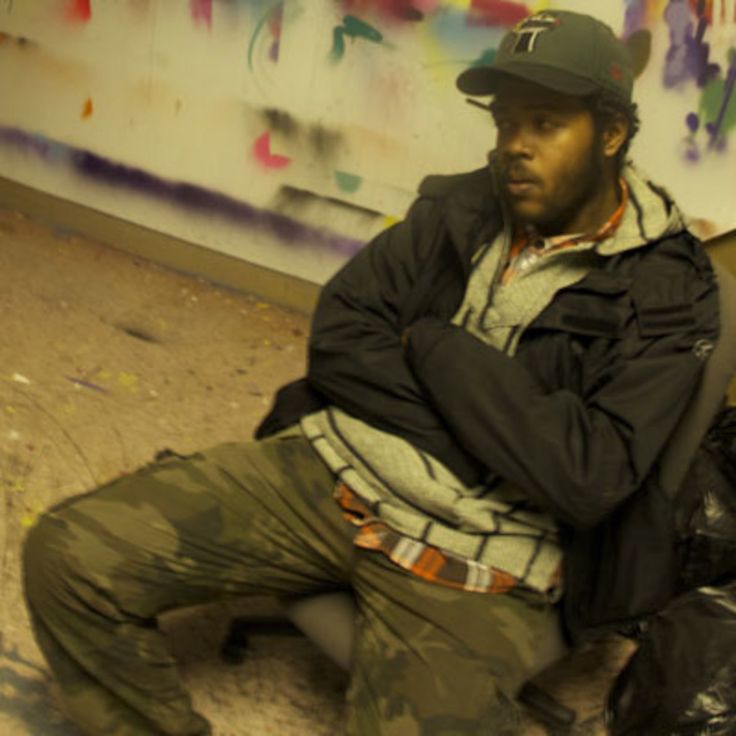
x,y
462,4
390,220
103,375
540,5
263,305
128,380
88,109
655,9
10,409
30,517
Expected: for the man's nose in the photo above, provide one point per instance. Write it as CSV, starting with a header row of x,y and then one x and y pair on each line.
x,y
517,142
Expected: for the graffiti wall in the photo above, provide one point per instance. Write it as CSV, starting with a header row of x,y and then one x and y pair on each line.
x,y
288,132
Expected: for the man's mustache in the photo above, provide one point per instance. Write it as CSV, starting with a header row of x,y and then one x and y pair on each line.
x,y
511,170
518,173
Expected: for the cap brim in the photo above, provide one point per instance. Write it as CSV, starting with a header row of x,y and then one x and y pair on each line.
x,y
484,80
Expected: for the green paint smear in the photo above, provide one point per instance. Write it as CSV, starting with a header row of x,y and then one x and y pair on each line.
x,y
711,102
259,27
349,183
485,59
338,45
357,28
352,27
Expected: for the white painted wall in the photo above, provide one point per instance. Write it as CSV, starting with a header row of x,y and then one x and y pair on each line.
x,y
178,90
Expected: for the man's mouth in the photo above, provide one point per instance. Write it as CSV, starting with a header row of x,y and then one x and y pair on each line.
x,y
519,183
520,187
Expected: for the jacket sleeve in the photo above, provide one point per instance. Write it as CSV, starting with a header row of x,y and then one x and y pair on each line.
x,y
576,456
356,358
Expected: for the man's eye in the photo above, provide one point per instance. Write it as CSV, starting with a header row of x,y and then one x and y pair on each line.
x,y
545,124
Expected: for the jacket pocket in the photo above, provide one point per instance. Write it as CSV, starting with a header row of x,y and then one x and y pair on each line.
x,y
597,306
664,307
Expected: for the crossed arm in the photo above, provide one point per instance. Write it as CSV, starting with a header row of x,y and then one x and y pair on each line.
x,y
475,408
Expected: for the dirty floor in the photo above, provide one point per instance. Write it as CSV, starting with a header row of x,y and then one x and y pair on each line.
x,y
104,361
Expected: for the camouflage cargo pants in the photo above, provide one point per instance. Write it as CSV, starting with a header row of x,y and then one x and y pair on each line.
x,y
258,518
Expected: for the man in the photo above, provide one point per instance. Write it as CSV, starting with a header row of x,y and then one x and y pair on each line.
x,y
502,367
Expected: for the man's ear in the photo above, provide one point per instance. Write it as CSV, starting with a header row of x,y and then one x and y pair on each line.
x,y
615,134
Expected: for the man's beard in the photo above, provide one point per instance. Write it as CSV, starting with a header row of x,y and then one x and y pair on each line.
x,y
556,220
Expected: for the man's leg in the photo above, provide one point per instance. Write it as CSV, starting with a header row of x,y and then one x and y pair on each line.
x,y
235,520
433,661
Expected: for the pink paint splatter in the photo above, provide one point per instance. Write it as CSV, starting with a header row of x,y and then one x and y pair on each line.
x,y
79,11
496,13
201,11
262,153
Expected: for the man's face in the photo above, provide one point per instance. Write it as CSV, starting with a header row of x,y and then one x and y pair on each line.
x,y
549,158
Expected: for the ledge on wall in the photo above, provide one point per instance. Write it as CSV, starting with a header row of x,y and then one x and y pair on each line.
x,y
183,256
175,253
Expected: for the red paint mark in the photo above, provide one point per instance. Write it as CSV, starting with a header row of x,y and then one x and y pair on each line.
x,y
201,11
411,10
703,9
275,24
276,20
616,72
262,153
496,13
79,11
88,109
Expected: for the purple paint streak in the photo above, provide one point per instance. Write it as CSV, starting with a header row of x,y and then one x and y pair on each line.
x,y
87,384
689,54
189,196
635,18
692,154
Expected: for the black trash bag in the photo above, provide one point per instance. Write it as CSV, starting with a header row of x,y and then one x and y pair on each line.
x,y
682,680
705,509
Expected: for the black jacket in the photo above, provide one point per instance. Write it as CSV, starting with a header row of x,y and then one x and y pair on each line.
x,y
577,418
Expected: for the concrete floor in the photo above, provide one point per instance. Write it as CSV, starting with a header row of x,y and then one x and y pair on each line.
x,y
104,361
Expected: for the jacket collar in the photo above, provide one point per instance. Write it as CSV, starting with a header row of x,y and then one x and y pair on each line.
x,y
474,215
650,215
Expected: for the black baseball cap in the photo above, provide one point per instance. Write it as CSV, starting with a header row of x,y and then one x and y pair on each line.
x,y
568,52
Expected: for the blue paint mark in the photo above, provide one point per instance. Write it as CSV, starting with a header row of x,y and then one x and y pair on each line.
x,y
462,42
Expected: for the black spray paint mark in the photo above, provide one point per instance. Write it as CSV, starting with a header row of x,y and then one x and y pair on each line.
x,y
325,142
280,121
293,199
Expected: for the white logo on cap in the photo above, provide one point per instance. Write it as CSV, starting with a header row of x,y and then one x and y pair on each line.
x,y
528,31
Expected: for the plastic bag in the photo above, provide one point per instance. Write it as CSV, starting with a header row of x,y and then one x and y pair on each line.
x,y
705,510
682,680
